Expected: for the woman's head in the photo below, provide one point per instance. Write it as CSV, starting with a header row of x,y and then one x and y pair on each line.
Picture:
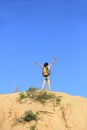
x,y
45,64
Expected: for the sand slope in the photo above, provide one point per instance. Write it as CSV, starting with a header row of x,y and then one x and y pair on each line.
x,y
71,114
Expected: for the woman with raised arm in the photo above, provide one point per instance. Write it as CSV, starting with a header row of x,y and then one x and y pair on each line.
x,y
46,73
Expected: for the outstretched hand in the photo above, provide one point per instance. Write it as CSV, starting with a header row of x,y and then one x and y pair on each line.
x,y
36,62
55,59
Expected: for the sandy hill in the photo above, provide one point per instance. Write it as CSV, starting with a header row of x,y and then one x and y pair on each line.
x,y
64,112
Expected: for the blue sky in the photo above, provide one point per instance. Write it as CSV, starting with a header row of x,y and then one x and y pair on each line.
x,y
39,30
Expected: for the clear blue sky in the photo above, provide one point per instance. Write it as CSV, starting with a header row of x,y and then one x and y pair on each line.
x,y
39,30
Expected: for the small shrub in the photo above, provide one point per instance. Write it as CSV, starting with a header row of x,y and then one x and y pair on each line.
x,y
32,89
58,100
22,96
33,127
44,96
31,92
29,116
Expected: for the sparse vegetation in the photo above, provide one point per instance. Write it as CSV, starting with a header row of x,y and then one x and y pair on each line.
x,y
22,96
40,96
36,96
33,127
31,92
29,116
43,96
58,100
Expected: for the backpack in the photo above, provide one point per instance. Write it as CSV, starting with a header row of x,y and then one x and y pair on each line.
x,y
45,71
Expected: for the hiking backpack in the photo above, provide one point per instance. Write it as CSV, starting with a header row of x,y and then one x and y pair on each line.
x,y
45,71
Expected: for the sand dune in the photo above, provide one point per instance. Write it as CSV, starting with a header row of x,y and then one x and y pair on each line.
x,y
70,114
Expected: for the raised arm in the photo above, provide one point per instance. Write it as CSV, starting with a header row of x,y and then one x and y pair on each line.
x,y
53,61
39,64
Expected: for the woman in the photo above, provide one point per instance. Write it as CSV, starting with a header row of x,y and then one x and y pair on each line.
x,y
46,73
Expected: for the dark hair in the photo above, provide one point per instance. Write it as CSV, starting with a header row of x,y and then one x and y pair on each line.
x,y
45,64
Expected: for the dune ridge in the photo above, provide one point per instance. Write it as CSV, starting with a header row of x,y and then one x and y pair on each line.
x,y
70,114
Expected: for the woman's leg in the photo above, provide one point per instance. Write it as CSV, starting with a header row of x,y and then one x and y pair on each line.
x,y
49,86
43,84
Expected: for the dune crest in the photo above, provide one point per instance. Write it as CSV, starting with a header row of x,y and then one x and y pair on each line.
x,y
69,113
